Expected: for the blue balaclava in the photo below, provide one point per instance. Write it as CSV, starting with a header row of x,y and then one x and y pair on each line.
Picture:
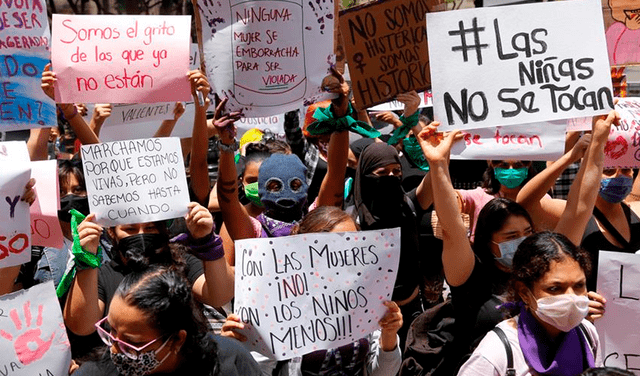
x,y
285,176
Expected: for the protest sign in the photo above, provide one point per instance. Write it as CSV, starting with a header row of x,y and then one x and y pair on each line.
x,y
121,59
14,151
533,142
518,64
623,146
618,275
316,291
33,338
45,227
623,31
267,57
24,52
579,124
426,100
15,234
138,113
135,181
274,123
386,48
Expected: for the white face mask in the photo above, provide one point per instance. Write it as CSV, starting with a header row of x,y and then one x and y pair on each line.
x,y
507,250
564,312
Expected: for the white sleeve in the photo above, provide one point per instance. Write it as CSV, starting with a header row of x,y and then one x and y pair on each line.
x,y
383,363
478,365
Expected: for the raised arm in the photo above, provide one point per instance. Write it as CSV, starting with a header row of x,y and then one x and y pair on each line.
x,y
585,188
166,127
457,256
199,141
101,111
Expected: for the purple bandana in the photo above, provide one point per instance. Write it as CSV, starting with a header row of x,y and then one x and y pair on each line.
x,y
272,228
572,357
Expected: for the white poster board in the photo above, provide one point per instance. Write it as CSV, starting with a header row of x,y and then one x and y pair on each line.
x,y
267,57
426,100
273,123
33,338
531,142
303,293
135,181
618,276
15,229
518,64
623,145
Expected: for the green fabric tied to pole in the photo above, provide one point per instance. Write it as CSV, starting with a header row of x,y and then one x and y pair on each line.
x,y
326,123
403,130
82,259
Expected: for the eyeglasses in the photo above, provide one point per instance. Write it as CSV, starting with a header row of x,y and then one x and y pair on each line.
x,y
127,349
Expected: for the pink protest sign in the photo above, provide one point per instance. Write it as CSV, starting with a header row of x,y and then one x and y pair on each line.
x,y
45,227
33,338
121,59
623,146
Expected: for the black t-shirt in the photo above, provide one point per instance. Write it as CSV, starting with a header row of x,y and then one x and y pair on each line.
x,y
233,359
112,273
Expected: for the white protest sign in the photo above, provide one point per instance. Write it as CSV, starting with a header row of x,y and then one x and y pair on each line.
x,y
579,124
273,123
618,275
14,151
15,230
532,142
518,64
267,57
136,180
138,113
33,338
426,100
623,146
310,292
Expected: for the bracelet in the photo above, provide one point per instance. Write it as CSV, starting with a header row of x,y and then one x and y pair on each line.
x,y
229,148
208,248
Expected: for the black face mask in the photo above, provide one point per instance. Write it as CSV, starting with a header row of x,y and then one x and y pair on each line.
x,y
140,250
71,201
385,197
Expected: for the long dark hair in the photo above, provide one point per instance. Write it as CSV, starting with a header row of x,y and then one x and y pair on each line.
x,y
67,167
165,297
491,219
492,186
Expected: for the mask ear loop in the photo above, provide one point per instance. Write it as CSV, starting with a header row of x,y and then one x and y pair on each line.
x,y
160,349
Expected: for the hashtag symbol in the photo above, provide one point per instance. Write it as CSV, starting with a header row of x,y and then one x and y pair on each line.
x,y
464,47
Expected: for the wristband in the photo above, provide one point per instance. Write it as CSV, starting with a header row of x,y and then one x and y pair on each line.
x,y
229,148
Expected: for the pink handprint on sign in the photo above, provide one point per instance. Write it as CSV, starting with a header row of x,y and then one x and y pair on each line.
x,y
32,336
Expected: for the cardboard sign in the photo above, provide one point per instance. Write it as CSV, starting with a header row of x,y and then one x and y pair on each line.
x,y
618,275
24,49
518,64
303,293
33,338
386,48
426,100
267,57
121,59
135,181
45,227
531,142
623,31
15,233
623,146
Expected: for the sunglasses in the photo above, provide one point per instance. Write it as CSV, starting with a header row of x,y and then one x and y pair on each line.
x,y
127,349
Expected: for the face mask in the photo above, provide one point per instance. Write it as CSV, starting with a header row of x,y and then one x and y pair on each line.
x,y
563,312
251,193
142,365
71,201
385,196
142,245
614,190
511,177
507,250
286,203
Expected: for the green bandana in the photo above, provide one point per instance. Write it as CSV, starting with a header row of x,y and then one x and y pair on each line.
x,y
402,131
414,152
326,123
251,192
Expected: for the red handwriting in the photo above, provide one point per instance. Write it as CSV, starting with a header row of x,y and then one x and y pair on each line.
x,y
11,245
41,228
116,81
517,139
472,138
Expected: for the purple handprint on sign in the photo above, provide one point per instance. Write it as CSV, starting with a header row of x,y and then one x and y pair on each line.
x,y
24,343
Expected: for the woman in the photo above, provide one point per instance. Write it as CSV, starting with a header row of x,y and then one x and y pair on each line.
x,y
550,335
154,326
376,354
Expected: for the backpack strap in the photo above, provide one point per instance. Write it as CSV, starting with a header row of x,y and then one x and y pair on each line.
x,y
507,347
586,335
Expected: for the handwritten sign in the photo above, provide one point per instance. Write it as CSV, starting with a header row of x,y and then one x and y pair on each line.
x,y
579,124
314,291
121,59
273,123
45,227
618,275
533,142
386,48
24,51
137,113
518,64
14,151
426,100
33,338
267,57
623,146
15,238
135,181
